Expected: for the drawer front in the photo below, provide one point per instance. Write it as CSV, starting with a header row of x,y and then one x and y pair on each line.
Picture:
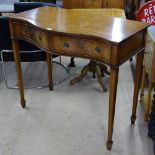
x,y
34,35
82,48
66,44
93,4
98,50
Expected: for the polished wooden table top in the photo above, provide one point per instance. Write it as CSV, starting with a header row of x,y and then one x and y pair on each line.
x,y
91,23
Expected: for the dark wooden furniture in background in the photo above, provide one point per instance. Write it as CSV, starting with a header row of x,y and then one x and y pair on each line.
x,y
93,4
130,6
113,36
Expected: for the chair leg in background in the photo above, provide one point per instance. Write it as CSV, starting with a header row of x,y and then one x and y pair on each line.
x,y
4,69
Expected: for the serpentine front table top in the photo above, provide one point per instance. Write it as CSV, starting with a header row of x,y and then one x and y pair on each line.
x,y
88,22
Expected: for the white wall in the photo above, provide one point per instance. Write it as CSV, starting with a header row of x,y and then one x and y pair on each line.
x,y
8,1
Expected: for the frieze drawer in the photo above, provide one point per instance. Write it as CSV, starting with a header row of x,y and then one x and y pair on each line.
x,y
86,48
34,35
99,50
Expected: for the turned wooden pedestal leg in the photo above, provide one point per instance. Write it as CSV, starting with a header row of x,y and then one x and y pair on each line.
x,y
15,45
49,65
138,78
112,102
97,69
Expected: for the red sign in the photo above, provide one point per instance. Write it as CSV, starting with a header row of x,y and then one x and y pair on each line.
x,y
146,13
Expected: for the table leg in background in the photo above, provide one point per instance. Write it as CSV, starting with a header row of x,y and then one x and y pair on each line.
x,y
137,84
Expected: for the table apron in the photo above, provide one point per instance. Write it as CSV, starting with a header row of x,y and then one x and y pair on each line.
x,y
75,46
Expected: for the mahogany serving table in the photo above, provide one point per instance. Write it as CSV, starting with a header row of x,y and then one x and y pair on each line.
x,y
84,33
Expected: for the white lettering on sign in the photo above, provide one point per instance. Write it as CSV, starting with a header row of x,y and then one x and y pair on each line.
x,y
150,19
150,10
144,20
153,8
146,12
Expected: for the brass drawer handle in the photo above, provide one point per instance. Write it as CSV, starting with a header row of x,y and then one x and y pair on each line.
x,y
97,49
66,45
